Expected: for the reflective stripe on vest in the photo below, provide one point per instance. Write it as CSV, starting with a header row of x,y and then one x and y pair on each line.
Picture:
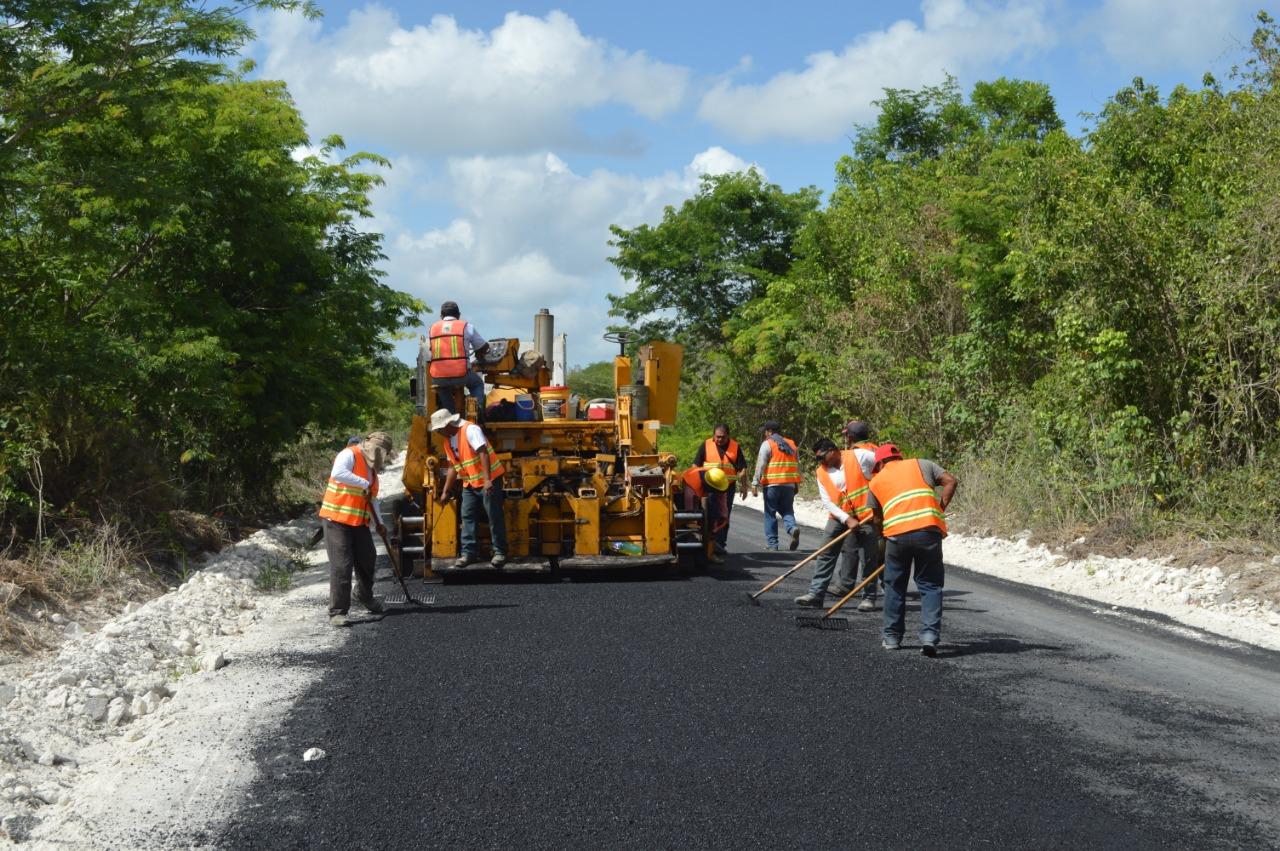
x,y
906,500
448,349
782,469
727,462
348,504
853,499
467,459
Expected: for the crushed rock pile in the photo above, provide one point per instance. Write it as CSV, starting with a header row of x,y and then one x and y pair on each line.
x,y
1202,597
124,678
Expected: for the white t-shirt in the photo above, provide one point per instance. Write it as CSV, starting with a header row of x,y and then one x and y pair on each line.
x,y
866,460
471,340
475,437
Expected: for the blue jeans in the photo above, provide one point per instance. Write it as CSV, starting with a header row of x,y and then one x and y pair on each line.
x,y
476,504
923,549
473,381
778,499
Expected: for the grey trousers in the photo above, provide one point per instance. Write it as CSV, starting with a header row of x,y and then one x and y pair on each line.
x,y
861,556
348,547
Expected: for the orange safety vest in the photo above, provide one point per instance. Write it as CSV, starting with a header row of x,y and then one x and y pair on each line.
x,y
348,504
448,349
867,445
853,499
782,469
906,500
727,462
693,478
467,460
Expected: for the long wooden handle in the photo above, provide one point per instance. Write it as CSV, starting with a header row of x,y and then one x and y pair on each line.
x,y
847,597
803,562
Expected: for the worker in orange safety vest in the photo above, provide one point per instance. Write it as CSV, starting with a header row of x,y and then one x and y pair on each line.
x,y
778,472
474,464
450,344
723,452
349,505
910,512
714,485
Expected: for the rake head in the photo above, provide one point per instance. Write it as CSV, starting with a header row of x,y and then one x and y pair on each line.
x,y
821,622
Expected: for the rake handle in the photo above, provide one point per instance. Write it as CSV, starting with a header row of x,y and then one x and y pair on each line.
x,y
847,597
803,562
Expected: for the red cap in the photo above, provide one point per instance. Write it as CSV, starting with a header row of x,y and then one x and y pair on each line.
x,y
886,451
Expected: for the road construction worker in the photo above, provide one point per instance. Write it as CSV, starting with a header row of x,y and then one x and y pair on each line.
x,y
350,502
778,472
712,484
473,462
857,435
842,488
910,513
723,452
868,542
451,343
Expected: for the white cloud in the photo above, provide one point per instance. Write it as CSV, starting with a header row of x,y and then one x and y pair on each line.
x,y
529,233
836,90
1162,34
439,88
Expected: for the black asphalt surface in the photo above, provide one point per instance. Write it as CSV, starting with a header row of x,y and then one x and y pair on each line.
x,y
644,711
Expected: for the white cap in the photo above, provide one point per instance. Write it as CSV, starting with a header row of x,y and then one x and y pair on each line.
x,y
445,417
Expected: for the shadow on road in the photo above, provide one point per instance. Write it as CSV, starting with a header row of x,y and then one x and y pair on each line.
x,y
992,646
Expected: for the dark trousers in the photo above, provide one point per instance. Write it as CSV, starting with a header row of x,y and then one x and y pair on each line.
x,y
920,551
475,504
349,547
721,509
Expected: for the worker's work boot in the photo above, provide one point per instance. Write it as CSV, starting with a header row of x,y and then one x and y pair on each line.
x,y
795,538
809,601
339,620
374,605
498,561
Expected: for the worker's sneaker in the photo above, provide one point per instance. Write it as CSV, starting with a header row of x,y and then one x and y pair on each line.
x,y
771,549
716,558
867,605
928,646
498,561
838,592
339,620
890,644
809,601
463,561
795,538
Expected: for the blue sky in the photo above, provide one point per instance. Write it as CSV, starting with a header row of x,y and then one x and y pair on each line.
x,y
519,133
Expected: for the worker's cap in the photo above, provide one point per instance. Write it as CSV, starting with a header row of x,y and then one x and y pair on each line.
x,y
718,479
450,308
887,452
857,430
771,425
354,439
822,447
445,417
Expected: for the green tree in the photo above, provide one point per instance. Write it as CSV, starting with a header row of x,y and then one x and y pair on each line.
x,y
592,381
720,250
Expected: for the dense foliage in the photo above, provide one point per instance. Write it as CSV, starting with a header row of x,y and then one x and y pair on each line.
x,y
1088,327
184,294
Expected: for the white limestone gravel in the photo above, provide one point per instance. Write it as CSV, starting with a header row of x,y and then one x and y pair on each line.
x,y
133,735
1199,597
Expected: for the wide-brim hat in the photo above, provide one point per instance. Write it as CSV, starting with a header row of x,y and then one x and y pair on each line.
x,y
445,417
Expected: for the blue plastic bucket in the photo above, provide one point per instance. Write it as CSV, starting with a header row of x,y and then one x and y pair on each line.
x,y
525,412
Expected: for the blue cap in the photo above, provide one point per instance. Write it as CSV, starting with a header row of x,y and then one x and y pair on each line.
x,y
354,439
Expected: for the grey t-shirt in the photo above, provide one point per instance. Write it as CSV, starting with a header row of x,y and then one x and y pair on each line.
x,y
931,471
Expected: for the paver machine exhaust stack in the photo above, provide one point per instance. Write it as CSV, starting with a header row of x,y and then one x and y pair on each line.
x,y
580,492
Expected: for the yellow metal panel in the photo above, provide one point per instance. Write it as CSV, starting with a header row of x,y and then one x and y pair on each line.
x,y
662,362
444,534
644,438
415,462
586,531
621,371
657,525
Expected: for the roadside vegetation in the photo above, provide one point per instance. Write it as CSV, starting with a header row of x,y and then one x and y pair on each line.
x,y
192,312
1086,328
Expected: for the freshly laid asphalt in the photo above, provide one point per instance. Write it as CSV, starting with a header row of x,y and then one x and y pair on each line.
x,y
653,711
